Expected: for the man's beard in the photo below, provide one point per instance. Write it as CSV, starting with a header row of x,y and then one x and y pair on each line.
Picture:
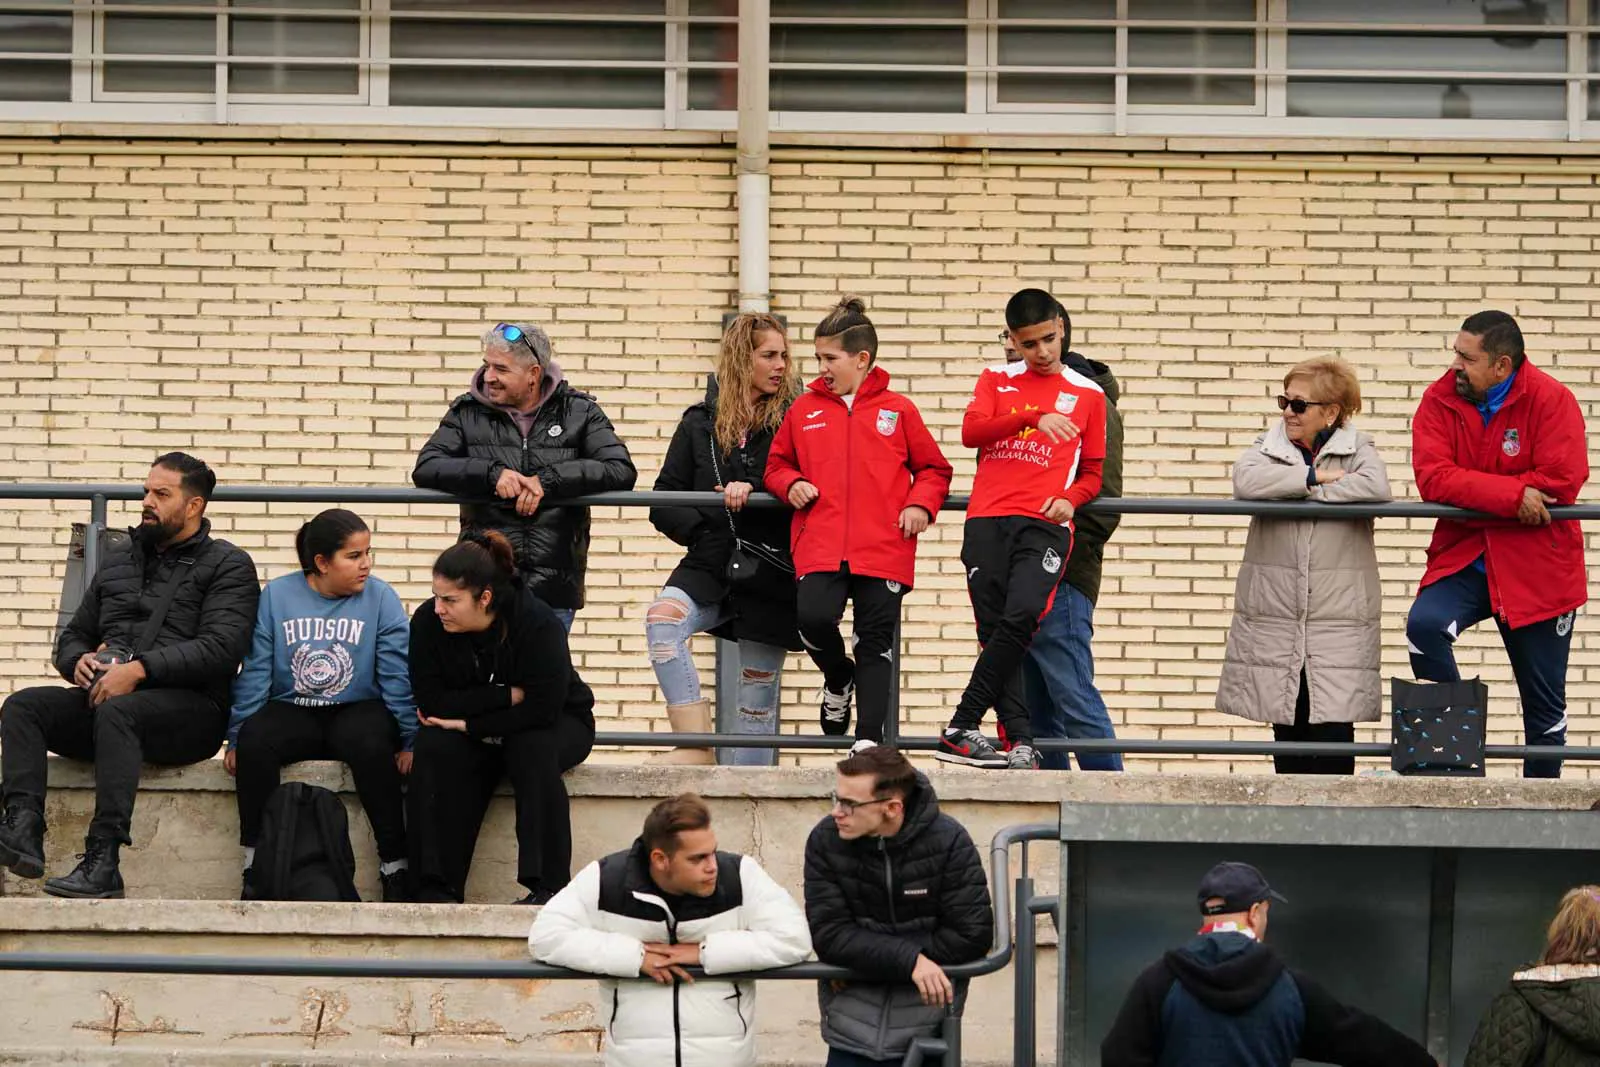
x,y
157,532
1465,391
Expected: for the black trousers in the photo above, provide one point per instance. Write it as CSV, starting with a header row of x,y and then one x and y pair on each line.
x,y
453,778
819,604
1304,730
1013,565
167,726
362,735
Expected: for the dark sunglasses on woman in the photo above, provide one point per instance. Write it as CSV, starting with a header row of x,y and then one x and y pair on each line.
x,y
1299,406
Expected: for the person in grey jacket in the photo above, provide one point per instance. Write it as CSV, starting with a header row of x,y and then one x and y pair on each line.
x,y
1303,651
520,439
895,892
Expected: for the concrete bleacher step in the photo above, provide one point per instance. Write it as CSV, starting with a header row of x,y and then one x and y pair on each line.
x,y
183,871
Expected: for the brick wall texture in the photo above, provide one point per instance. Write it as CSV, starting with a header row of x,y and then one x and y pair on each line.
x,y
299,318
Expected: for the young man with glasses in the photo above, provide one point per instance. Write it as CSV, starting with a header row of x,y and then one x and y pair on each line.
x,y
520,439
894,891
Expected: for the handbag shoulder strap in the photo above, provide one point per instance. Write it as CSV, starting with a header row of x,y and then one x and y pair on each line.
x,y
716,471
183,567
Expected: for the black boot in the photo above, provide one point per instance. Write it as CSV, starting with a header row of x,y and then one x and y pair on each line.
x,y
96,875
397,887
22,840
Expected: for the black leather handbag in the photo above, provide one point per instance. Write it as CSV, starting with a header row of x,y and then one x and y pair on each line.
x,y
747,557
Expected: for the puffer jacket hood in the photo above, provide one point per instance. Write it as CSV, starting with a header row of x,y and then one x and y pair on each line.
x,y
547,388
1227,972
1567,997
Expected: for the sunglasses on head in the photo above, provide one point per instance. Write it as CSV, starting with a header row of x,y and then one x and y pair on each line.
x,y
514,333
1299,406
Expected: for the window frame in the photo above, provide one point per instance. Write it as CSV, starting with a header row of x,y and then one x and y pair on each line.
x,y
984,113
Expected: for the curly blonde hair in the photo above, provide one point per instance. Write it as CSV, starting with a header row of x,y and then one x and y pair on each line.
x,y
737,415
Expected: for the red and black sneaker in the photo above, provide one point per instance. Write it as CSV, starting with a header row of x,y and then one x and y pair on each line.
x,y
969,748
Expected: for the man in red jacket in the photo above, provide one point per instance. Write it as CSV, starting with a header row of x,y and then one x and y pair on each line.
x,y
1500,436
1040,428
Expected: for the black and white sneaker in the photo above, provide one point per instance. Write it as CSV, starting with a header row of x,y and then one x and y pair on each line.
x,y
836,710
861,745
969,748
1022,758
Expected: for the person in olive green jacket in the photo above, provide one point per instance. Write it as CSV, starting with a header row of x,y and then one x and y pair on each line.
x,y
1550,1015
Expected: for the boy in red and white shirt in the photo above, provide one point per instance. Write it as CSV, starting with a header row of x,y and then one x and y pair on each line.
x,y
1040,428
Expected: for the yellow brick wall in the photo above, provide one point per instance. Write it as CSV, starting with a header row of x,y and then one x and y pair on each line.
x,y
299,317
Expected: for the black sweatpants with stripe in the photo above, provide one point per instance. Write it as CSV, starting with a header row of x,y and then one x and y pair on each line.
x,y
1013,565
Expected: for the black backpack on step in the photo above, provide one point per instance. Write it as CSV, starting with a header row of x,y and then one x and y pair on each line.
x,y
304,851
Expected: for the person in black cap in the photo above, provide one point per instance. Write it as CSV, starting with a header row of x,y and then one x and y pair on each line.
x,y
1227,1000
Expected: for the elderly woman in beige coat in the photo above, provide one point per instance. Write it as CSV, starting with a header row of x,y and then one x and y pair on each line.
x,y
1304,646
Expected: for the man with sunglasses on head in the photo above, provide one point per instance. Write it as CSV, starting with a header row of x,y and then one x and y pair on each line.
x,y
895,892
1497,434
521,439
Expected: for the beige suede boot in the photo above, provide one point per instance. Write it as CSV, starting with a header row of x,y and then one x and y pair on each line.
x,y
687,719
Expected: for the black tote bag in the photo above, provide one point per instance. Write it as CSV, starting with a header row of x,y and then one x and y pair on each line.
x,y
1439,727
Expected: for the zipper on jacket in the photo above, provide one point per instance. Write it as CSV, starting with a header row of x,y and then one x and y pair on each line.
x,y
888,880
849,479
524,454
677,984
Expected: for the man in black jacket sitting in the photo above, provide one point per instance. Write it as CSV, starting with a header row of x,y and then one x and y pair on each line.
x,y
151,651
518,440
1226,998
894,891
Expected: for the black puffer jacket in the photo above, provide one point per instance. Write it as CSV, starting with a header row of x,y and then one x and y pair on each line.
x,y
573,449
874,904
207,627
763,606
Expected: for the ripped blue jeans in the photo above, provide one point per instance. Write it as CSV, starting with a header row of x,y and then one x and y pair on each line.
x,y
669,623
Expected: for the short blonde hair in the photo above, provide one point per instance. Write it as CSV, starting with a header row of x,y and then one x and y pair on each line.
x,y
1329,379
1574,935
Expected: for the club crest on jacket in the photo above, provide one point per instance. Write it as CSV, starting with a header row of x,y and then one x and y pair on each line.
x,y
1511,445
887,421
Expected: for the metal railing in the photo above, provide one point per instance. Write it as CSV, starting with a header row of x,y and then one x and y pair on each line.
x,y
99,496
947,1044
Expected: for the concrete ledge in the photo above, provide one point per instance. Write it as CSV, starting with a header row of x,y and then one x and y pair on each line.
x,y
185,826
127,1019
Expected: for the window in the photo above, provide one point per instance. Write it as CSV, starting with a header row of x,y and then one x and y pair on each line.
x,y
502,54
36,31
1476,65
257,51
1499,69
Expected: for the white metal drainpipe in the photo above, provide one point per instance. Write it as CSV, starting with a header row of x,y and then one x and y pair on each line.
x,y
755,181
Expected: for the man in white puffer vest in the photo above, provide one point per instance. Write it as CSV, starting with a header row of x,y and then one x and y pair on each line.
x,y
671,901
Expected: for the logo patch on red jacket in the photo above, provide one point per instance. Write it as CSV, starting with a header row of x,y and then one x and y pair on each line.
x,y
887,421
1511,444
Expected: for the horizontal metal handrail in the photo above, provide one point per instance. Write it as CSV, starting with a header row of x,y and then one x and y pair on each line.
x,y
998,956
1128,505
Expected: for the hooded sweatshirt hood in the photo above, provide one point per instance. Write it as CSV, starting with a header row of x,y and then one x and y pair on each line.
x,y
524,419
1096,371
1567,996
1227,972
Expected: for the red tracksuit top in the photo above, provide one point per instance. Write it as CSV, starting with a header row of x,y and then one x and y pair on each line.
x,y
1019,468
1535,439
868,462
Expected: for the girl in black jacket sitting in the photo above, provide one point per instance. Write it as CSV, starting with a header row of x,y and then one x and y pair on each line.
x,y
497,696
721,445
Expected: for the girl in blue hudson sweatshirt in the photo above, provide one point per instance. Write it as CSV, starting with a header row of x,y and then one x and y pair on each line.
x,y
327,678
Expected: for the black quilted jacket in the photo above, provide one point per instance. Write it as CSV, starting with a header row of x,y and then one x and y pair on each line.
x,y
875,904
206,630
1550,1017
572,448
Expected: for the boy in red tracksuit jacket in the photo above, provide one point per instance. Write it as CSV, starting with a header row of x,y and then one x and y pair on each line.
x,y
865,477
1496,434
1041,430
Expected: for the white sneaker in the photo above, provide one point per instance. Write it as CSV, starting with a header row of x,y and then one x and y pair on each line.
x,y
862,745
